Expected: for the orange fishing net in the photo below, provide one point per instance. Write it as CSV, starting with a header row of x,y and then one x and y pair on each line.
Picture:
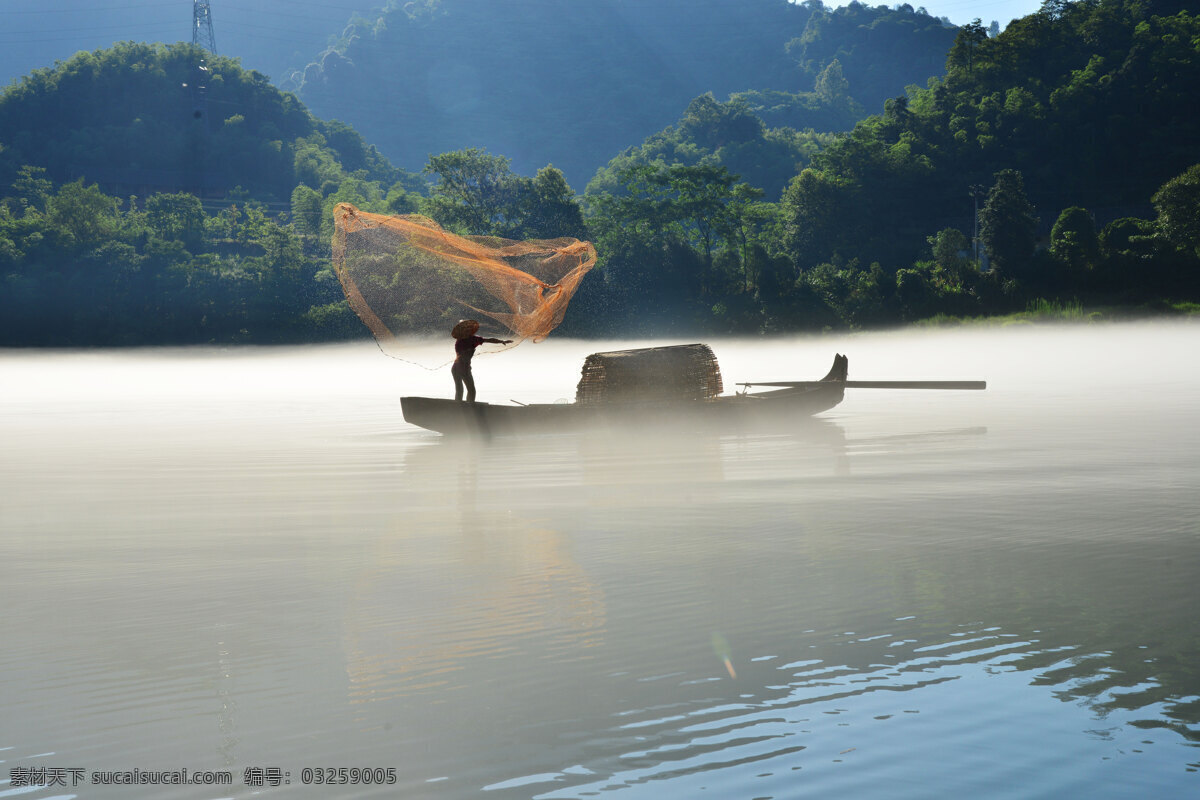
x,y
406,275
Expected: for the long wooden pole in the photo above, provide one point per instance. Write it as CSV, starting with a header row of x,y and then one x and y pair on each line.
x,y
969,385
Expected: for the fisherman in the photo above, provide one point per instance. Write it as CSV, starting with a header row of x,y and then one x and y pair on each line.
x,y
464,348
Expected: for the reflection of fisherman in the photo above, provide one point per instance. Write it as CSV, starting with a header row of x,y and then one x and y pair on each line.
x,y
464,349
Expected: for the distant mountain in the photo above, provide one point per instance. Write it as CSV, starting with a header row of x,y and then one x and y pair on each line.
x,y
575,83
728,134
132,118
271,36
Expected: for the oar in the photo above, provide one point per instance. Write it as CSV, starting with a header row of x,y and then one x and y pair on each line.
x,y
873,384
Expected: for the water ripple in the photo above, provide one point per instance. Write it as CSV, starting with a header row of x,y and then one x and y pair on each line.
x,y
846,713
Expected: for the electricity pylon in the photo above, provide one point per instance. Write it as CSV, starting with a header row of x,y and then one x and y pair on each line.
x,y
202,29
204,40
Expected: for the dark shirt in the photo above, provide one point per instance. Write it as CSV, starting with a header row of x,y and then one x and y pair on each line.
x,y
465,348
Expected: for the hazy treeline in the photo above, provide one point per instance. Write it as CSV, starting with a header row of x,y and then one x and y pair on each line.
x,y
78,267
1079,198
1076,122
143,115
1073,128
572,83
274,37
146,260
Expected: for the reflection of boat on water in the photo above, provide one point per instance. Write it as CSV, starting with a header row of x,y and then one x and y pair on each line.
x,y
606,461
655,388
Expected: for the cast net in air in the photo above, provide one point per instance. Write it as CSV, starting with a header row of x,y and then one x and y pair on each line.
x,y
406,276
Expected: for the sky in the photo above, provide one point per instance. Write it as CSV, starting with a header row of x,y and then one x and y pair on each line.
x,y
961,12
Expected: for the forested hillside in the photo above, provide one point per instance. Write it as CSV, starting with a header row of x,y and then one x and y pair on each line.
x,y
1092,103
1072,133
574,83
273,37
138,118
105,237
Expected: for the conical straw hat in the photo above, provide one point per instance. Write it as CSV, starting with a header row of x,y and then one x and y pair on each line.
x,y
464,328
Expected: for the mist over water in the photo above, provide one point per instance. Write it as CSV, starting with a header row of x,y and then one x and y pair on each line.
x,y
222,559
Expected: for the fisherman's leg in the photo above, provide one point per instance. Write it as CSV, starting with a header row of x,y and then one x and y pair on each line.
x,y
458,384
469,380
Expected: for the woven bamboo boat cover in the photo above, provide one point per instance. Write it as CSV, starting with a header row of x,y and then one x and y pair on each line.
x,y
652,374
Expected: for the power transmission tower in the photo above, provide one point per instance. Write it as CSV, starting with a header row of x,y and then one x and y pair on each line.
x,y
202,38
202,29
204,41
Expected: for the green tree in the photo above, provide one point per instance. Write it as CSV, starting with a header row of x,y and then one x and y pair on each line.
x,y
85,212
951,248
712,124
551,209
478,193
1008,225
1178,207
178,216
747,216
1055,9
854,294
314,163
965,50
649,264
953,269
831,85
307,212
820,217
32,188
401,200
733,135
474,192
700,198
1073,241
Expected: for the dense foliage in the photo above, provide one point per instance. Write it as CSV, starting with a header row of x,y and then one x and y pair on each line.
x,y
730,134
138,118
877,228
104,238
880,49
1085,105
78,267
1071,134
274,37
573,83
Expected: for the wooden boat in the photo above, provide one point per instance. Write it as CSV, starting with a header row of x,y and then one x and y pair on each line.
x,y
663,388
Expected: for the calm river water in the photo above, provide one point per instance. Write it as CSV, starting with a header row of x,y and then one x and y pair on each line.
x,y
245,561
